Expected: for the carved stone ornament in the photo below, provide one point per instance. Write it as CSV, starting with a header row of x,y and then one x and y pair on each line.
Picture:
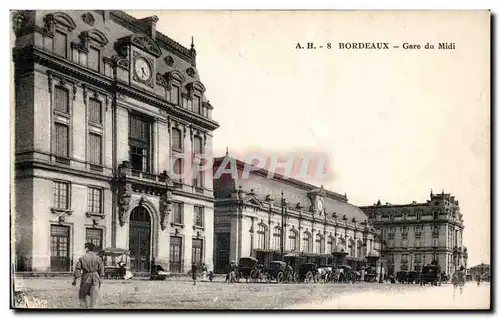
x,y
191,72
165,208
124,196
160,79
146,43
18,20
88,18
121,62
169,61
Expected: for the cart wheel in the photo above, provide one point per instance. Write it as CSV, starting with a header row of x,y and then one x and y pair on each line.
x,y
295,277
317,278
253,276
279,278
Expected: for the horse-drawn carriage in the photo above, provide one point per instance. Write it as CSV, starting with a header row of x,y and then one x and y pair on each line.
x,y
278,271
430,274
308,273
245,267
116,268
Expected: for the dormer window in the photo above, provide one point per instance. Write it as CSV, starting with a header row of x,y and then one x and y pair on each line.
x,y
59,25
197,104
174,95
60,43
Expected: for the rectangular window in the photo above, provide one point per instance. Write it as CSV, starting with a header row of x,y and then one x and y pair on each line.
x,y
61,99
60,43
94,236
177,213
95,111
140,143
174,95
184,102
197,105
59,248
197,145
197,251
178,169
95,143
177,139
61,140
175,254
94,59
61,195
198,216
95,200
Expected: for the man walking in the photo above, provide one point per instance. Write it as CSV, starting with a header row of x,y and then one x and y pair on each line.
x,y
90,268
458,280
194,271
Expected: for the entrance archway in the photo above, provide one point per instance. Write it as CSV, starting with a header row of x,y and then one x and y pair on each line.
x,y
140,239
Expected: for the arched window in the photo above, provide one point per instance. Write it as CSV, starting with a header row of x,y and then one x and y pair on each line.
x,y
319,244
360,249
261,236
293,240
277,237
306,243
342,244
330,245
352,248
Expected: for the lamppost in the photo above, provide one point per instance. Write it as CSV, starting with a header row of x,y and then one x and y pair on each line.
x,y
283,226
411,259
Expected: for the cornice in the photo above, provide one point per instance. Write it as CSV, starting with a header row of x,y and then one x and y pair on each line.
x,y
27,56
293,213
60,169
172,110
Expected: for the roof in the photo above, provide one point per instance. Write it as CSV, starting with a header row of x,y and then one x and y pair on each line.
x,y
294,191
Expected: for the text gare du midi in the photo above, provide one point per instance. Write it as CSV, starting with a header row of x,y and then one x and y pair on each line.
x,y
375,46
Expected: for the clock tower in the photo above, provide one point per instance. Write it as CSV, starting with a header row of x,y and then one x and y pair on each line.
x,y
142,52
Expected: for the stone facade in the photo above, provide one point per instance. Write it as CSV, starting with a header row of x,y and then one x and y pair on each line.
x,y
416,234
317,222
99,96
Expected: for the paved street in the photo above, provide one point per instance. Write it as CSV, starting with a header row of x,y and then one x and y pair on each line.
x,y
181,294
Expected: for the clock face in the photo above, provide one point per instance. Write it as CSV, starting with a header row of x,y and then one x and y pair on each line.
x,y
142,69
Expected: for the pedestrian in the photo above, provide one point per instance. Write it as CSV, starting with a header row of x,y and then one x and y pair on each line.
x,y
458,280
194,270
91,269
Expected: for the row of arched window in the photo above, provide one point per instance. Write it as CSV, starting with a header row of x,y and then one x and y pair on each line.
x,y
292,243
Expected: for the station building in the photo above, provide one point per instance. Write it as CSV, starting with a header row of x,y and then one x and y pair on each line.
x,y
416,234
318,225
105,107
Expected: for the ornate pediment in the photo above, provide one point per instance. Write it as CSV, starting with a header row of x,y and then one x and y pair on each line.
x,y
253,200
176,75
142,42
196,85
95,36
60,19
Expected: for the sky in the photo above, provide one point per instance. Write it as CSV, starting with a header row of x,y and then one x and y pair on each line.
x,y
394,123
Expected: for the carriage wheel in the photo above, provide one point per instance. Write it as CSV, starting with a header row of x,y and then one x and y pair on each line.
x,y
253,276
279,278
317,278
295,277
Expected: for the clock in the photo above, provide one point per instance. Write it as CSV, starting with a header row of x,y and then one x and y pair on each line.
x,y
142,70
320,205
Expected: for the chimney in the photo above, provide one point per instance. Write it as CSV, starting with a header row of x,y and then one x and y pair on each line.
x,y
151,23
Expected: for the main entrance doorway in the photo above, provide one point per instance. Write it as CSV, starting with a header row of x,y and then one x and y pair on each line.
x,y
140,239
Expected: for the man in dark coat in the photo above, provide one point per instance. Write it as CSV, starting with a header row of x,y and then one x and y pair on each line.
x,y
90,268
194,271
